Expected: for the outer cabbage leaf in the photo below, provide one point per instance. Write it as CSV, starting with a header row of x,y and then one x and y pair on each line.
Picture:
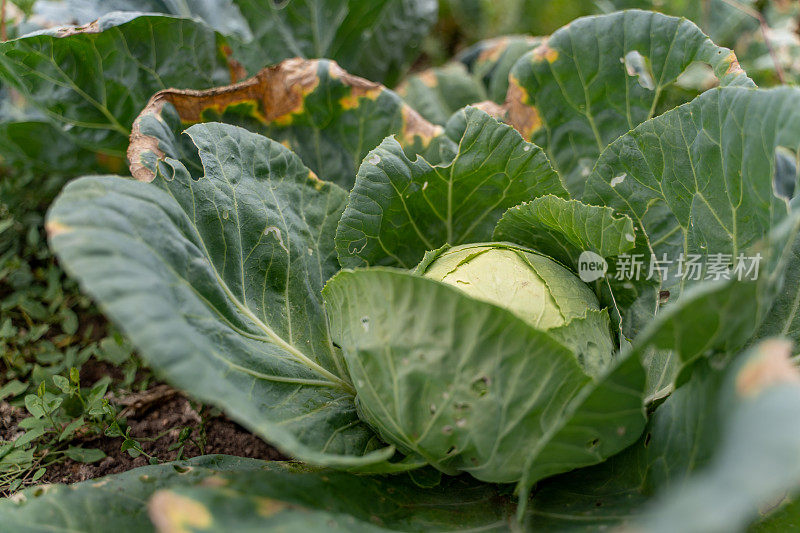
x,y
716,452
700,179
326,116
716,317
217,282
711,317
783,318
724,431
93,81
573,103
700,182
399,208
224,493
763,33
98,505
723,22
285,497
755,462
471,387
374,39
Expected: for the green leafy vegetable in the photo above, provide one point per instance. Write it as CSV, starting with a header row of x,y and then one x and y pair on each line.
x,y
454,328
533,287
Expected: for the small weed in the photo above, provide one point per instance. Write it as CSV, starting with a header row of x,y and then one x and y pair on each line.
x,y
49,335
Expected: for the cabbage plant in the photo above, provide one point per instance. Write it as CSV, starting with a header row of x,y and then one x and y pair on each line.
x,y
394,293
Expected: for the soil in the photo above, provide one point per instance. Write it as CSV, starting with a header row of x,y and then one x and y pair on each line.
x,y
156,418
9,418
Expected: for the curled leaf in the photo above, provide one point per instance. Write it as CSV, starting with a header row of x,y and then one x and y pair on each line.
x,y
330,118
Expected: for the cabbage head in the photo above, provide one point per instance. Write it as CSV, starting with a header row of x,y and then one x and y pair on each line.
x,y
533,287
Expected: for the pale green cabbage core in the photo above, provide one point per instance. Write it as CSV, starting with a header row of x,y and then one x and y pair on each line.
x,y
534,287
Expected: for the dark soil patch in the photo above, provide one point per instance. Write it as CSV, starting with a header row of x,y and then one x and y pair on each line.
x,y
156,418
93,370
9,419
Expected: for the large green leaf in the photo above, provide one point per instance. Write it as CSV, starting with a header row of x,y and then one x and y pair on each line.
x,y
713,317
713,455
574,103
103,505
783,319
287,498
326,116
762,32
217,282
376,39
224,493
723,21
471,387
700,183
679,439
399,208
755,462
93,81
700,178
716,317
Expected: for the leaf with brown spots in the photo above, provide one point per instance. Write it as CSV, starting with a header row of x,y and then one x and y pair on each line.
x,y
599,77
328,117
439,92
491,60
